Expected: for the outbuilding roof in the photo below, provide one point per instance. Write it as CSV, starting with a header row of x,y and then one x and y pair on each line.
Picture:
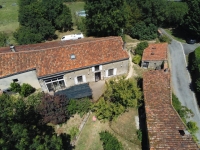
x,y
166,130
55,57
155,52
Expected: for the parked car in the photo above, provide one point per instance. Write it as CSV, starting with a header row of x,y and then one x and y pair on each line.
x,y
72,37
191,40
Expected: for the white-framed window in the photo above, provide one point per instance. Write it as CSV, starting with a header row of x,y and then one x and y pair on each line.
x,y
97,68
111,72
80,79
55,83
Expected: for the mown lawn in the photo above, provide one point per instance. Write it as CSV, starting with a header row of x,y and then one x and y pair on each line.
x,y
124,128
9,17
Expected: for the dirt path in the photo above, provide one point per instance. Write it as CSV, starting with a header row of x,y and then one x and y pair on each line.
x,y
131,70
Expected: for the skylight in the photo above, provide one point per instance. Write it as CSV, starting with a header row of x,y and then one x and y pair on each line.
x,y
73,56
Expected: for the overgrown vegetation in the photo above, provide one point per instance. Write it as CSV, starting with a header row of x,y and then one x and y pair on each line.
x,y
24,90
3,39
185,113
137,59
140,48
109,141
20,127
73,132
119,95
39,20
164,38
80,106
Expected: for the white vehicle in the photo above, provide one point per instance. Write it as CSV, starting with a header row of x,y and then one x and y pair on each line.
x,y
72,37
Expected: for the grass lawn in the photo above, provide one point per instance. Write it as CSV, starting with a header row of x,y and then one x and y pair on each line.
x,y
123,128
175,35
9,18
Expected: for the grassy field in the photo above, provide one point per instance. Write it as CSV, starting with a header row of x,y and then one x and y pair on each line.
x,y
123,128
9,17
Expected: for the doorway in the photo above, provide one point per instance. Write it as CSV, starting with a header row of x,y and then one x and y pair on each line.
x,y
97,76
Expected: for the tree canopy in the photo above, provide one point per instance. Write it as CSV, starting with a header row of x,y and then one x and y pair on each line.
x,y
40,19
105,17
20,129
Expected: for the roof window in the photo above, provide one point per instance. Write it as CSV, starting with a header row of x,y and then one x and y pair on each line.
x,y
72,56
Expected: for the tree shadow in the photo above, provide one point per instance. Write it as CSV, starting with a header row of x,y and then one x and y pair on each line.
x,y
143,127
178,32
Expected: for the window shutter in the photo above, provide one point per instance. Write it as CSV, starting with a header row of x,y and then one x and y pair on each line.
x,y
100,67
75,80
106,73
92,69
115,71
84,78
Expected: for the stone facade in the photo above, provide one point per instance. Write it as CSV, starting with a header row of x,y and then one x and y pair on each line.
x,y
86,75
25,77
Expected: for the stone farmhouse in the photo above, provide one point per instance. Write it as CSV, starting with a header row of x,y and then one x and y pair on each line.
x,y
155,56
165,128
54,66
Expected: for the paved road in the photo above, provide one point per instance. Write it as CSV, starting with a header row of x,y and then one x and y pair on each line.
x,y
181,82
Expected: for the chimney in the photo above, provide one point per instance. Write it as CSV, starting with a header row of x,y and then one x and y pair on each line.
x,y
12,48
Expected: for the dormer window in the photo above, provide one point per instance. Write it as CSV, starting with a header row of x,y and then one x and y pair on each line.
x,y
72,56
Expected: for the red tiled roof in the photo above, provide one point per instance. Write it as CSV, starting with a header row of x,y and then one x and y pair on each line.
x,y
54,57
155,52
163,122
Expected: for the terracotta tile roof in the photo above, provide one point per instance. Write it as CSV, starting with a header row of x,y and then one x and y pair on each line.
x,y
54,57
163,122
156,51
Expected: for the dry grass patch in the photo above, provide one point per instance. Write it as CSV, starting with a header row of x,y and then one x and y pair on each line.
x,y
139,70
90,140
74,121
129,39
125,126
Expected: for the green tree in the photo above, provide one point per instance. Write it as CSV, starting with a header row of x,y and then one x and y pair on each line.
x,y
40,19
140,48
20,128
142,31
192,126
192,21
105,17
3,39
64,20
109,141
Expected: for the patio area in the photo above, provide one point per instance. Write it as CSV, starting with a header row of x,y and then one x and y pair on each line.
x,y
93,90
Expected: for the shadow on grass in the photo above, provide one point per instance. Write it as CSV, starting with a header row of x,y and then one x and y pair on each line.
x,y
143,127
179,33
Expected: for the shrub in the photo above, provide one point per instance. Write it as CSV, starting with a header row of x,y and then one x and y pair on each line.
x,y
109,141
136,59
15,87
165,38
192,126
81,106
139,135
26,90
140,48
73,132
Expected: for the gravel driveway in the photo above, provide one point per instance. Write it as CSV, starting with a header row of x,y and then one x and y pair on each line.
x,y
181,81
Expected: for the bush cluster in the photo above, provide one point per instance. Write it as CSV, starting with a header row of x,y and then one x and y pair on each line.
x,y
24,90
81,106
140,48
109,141
136,59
